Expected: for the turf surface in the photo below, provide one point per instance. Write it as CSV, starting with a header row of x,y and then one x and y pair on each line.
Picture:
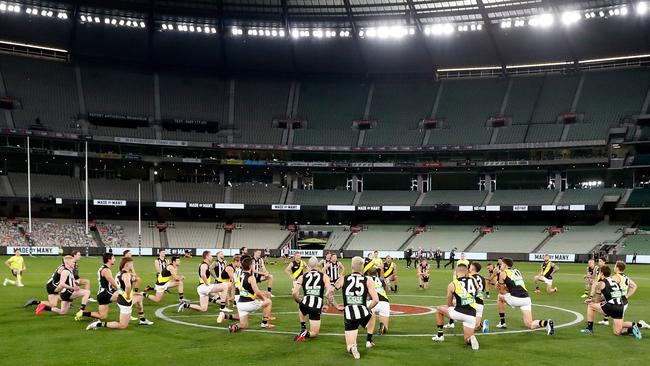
x,y
59,340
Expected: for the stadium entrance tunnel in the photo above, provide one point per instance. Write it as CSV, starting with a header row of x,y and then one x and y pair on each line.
x,y
395,310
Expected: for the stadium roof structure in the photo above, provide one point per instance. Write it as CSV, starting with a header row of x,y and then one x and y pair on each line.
x,y
340,36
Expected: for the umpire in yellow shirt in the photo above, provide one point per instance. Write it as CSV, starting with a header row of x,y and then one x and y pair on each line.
x,y
17,266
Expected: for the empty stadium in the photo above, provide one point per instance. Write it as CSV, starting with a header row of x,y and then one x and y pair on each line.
x,y
495,128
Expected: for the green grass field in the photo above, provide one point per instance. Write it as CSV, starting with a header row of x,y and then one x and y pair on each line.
x,y
59,340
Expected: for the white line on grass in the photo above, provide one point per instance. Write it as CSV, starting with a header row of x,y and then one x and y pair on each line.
x,y
579,318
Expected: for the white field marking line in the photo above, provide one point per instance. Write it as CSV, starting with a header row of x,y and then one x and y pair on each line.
x,y
430,310
579,318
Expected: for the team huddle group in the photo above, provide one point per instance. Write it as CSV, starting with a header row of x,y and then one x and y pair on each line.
x,y
365,292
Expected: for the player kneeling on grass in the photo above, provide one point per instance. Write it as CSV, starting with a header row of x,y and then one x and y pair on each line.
x,y
382,309
463,291
315,286
67,290
607,298
125,299
515,294
390,273
251,298
207,289
357,312
16,265
107,293
546,275
167,278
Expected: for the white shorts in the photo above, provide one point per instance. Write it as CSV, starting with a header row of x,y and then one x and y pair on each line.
x,y
468,320
523,303
204,290
126,310
548,281
382,308
245,308
161,288
479,310
236,299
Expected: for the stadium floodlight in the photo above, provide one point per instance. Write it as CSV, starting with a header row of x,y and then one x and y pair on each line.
x,y
570,17
63,16
83,17
50,13
506,24
427,30
411,31
3,7
107,20
164,26
448,29
642,8
113,21
143,25
479,27
199,29
383,32
121,22
213,30
192,29
318,33
520,23
281,33
371,32
624,11
267,33
10,8
601,14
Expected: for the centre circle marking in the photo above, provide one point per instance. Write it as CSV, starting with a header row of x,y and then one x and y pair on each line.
x,y
395,310
579,318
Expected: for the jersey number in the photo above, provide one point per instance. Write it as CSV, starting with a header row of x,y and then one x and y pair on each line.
x,y
355,287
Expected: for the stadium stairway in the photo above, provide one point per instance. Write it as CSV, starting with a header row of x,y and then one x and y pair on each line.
x,y
475,241
624,198
284,195
542,243
226,239
418,202
558,197
159,195
288,239
487,199
408,241
6,185
347,242
357,198
98,238
164,242
227,198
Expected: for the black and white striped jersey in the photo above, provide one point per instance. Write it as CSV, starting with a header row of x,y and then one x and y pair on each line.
x,y
334,271
313,286
355,294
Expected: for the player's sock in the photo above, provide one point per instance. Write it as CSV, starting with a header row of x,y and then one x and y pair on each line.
x,y
369,337
395,290
303,325
141,316
136,289
451,321
214,301
487,293
230,317
590,325
82,307
86,313
102,324
180,296
606,319
186,305
48,308
543,323
306,334
536,288
440,331
265,320
222,306
502,318
268,289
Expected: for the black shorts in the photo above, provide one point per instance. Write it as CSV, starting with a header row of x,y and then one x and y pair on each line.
x,y
354,324
122,301
104,298
312,313
612,310
51,289
259,278
425,278
66,295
